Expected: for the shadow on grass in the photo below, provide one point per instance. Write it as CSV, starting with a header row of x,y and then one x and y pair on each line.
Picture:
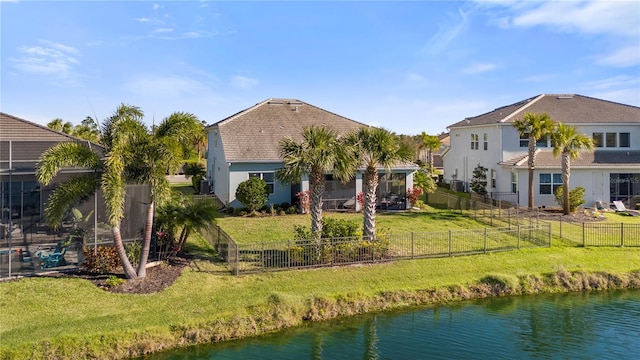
x,y
439,215
200,250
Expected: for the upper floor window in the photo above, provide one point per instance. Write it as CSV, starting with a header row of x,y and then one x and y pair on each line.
x,y
598,139
494,179
268,177
475,142
541,143
486,141
611,139
625,140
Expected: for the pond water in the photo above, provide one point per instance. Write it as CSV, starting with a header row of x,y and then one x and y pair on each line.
x,y
595,325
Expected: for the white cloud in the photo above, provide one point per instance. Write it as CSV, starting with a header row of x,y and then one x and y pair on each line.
x,y
623,57
162,30
53,59
613,82
595,17
623,88
480,68
243,82
142,19
447,32
156,6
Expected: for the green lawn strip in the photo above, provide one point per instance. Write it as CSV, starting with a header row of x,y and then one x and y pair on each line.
x,y
45,309
269,229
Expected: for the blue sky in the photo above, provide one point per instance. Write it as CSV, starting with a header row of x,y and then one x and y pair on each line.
x,y
406,66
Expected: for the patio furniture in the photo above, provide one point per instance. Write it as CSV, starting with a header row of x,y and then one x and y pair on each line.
x,y
621,208
55,258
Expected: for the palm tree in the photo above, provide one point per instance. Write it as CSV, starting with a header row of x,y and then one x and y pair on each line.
x,y
375,147
188,130
430,143
568,142
317,154
133,156
535,126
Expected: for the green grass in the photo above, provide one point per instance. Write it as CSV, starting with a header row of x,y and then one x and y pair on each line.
x,y
251,230
48,309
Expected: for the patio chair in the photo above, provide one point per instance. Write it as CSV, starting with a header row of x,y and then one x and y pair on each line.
x,y
56,258
621,208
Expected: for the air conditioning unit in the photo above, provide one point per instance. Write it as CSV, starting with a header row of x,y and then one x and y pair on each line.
x,y
205,186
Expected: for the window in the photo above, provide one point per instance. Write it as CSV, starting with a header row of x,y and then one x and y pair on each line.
x,y
542,142
625,140
612,139
524,140
514,182
623,186
549,183
267,177
474,142
598,139
493,178
486,141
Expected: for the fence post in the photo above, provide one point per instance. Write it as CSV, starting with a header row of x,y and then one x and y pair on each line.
x,y
288,253
485,240
518,236
491,215
549,234
412,244
561,226
449,242
509,217
621,234
237,259
584,242
264,268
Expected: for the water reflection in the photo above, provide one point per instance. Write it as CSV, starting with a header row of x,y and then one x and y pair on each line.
x,y
569,326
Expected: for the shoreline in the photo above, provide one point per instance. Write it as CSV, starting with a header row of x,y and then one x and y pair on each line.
x,y
281,312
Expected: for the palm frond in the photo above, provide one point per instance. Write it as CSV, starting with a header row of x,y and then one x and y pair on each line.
x,y
64,155
66,195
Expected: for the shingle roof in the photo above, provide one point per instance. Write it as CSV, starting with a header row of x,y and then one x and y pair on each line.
x,y
254,133
566,108
598,158
28,141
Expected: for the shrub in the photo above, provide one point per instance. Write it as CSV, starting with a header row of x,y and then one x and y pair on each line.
x,y
253,193
104,261
576,197
133,250
195,182
113,281
304,199
479,180
413,194
331,228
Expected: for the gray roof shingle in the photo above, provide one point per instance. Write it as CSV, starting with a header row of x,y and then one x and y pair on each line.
x,y
566,108
254,133
602,158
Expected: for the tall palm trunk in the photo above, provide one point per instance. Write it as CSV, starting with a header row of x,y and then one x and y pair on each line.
x,y
146,241
532,166
566,174
316,183
129,271
370,186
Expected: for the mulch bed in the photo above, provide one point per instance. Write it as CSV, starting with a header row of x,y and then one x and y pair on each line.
x,y
158,277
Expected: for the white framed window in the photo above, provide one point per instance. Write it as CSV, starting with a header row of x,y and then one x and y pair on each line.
x,y
625,140
612,139
549,183
494,179
475,143
598,139
514,182
486,141
268,178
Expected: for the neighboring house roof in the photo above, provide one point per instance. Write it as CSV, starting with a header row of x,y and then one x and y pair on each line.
x,y
253,134
586,159
565,108
28,141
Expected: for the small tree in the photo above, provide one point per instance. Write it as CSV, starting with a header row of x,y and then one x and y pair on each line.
x,y
479,180
253,193
423,179
576,197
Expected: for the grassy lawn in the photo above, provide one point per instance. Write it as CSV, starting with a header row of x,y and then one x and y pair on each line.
x,y
251,230
65,310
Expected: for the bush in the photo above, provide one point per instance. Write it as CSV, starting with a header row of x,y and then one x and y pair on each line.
x,y
479,180
195,182
113,281
133,250
105,261
331,228
253,193
576,197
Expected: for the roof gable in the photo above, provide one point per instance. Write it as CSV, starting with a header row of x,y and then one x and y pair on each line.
x,y
254,133
567,108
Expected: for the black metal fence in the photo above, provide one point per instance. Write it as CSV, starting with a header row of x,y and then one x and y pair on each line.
x,y
502,213
296,254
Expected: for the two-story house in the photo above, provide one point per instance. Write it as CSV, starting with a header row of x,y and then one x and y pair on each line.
x,y
611,172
